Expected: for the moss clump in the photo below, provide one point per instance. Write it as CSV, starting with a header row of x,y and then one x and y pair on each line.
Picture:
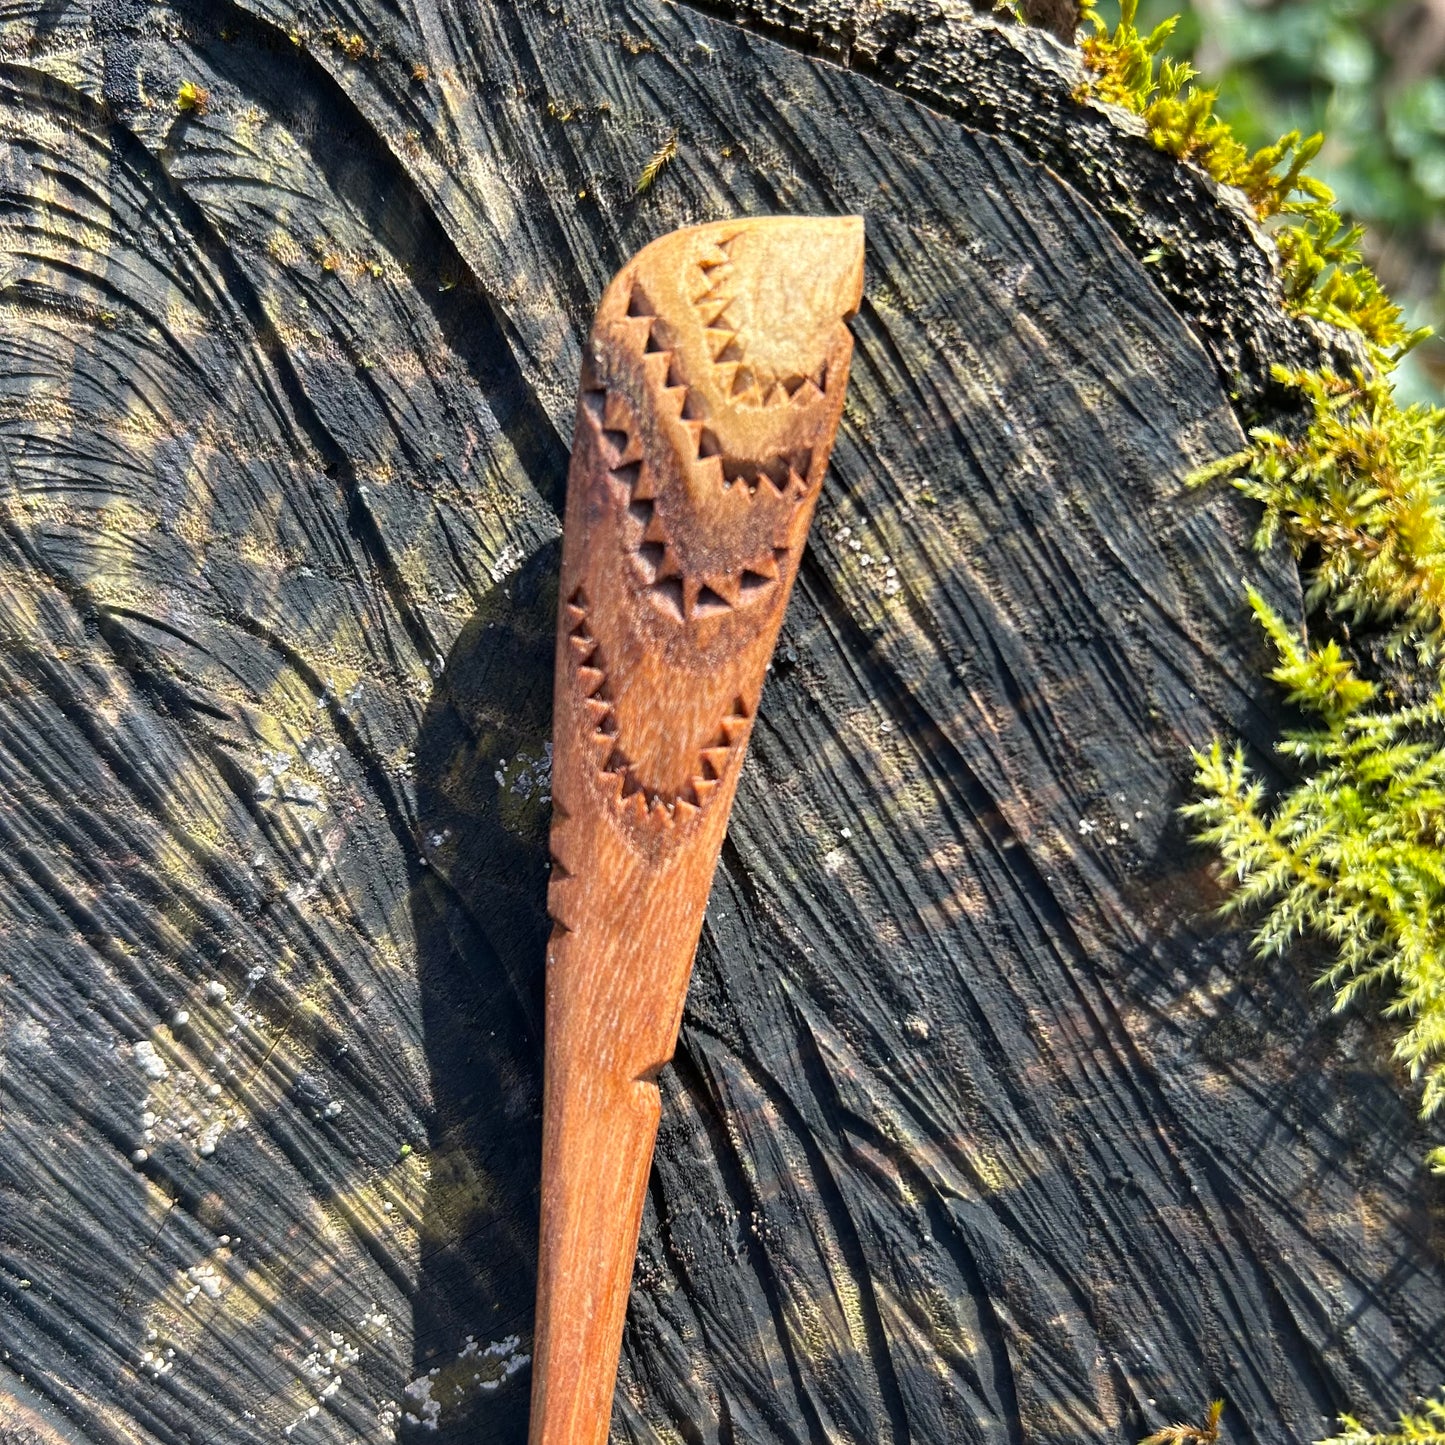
x,y
1324,273
192,99
1425,1428
1362,489
1179,116
1355,850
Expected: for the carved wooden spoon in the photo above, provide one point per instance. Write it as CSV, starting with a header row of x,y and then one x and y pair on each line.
x,y
711,394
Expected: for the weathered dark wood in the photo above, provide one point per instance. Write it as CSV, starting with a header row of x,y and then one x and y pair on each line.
x,y
978,1128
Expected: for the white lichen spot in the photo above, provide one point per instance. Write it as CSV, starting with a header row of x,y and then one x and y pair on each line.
x,y
478,1369
155,1364
526,777
322,1371
204,1280
183,1106
30,1033
496,1363
508,560
885,578
152,1065
427,1411
309,1413
274,766
281,780
321,757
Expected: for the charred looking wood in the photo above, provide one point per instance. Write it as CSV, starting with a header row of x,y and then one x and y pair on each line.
x,y
957,1147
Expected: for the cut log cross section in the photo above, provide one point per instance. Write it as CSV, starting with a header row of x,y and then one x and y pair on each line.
x,y
711,395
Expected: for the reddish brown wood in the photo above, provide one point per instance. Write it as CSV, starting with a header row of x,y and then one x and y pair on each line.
x,y
710,399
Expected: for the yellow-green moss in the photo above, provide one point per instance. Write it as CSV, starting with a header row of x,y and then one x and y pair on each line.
x,y
1425,1428
1205,1433
660,159
1362,491
192,99
1324,273
1354,851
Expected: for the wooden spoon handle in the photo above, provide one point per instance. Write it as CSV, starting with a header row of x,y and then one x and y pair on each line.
x,y
711,393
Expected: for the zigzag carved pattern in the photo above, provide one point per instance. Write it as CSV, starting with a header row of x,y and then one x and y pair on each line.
x,y
679,596
617,770
787,471
747,382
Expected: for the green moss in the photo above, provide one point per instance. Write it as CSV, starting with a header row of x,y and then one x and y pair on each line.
x,y
1354,850
192,99
657,163
1323,272
1362,490
1425,1428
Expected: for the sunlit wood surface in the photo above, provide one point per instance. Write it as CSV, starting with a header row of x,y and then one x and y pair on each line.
x,y
979,1128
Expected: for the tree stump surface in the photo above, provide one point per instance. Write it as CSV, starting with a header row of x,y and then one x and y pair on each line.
x,y
981,1128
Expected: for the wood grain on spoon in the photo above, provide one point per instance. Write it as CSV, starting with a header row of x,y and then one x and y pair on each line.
x,y
711,393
